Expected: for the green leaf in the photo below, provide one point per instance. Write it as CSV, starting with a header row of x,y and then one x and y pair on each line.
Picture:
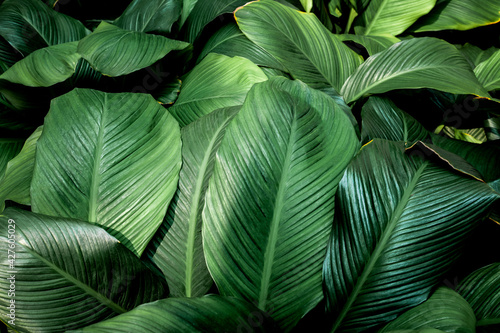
x,y
209,314
68,273
300,42
474,54
269,204
482,290
205,12
392,17
307,5
114,51
488,72
372,44
492,128
474,135
400,223
45,67
216,82
15,183
29,25
459,15
167,92
110,159
156,16
187,7
445,310
9,148
230,41
384,120
412,64
177,246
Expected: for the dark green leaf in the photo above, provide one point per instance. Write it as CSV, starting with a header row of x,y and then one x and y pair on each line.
x,y
488,72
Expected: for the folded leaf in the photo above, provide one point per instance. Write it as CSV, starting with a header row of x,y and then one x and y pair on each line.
x,y
269,204
114,51
45,67
177,246
459,15
216,82
392,17
150,16
209,314
445,310
299,41
400,223
110,159
488,72
68,273
29,25
411,64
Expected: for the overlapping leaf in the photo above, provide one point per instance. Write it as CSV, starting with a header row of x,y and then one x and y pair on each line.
x,y
400,223
488,72
410,64
372,44
177,246
68,273
459,15
209,314
392,17
114,51
269,205
110,159
299,41
474,54
217,82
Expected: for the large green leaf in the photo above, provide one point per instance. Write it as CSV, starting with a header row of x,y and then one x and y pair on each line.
x,y
300,42
384,120
372,44
474,54
15,183
400,223
177,246
110,159
392,17
217,82
411,64
459,15
269,204
68,273
488,72
482,290
445,310
45,67
209,314
204,12
29,25
230,41
150,16
114,51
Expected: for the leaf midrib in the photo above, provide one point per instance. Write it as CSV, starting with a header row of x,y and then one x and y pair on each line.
x,y
381,245
96,175
375,18
275,222
86,288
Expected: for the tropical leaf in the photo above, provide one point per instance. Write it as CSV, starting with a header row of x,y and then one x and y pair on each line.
x,y
474,54
382,119
114,51
372,44
187,7
110,159
44,67
230,41
459,15
391,17
156,16
492,128
177,246
216,82
411,64
209,314
54,290
473,135
395,233
9,148
29,25
488,72
15,183
300,42
445,310
482,290
168,92
269,204
205,12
